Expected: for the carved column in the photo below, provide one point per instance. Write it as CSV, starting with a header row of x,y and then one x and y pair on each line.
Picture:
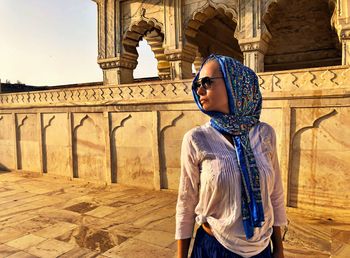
x,y
253,36
341,23
345,41
179,55
254,51
198,61
117,68
180,63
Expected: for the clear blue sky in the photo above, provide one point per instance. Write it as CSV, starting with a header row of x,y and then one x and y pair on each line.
x,y
52,42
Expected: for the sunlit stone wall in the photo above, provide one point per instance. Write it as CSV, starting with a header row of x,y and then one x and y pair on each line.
x,y
132,133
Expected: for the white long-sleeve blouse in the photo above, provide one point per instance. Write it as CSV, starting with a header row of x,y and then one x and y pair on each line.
x,y
210,188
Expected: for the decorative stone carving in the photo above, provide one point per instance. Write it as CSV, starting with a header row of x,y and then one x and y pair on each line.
x,y
133,149
89,149
317,142
117,122
345,39
7,143
28,143
330,78
176,39
56,150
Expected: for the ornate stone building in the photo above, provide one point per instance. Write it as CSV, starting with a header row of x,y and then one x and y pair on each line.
x,y
267,35
130,132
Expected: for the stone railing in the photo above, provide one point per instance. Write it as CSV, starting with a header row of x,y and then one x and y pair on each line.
x,y
311,82
103,95
307,82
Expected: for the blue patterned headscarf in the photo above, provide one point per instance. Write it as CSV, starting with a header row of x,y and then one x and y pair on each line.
x,y
244,100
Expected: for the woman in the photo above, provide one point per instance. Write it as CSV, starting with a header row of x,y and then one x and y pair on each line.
x,y
230,179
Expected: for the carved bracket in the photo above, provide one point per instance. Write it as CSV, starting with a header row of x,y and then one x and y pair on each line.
x,y
170,121
120,122
20,124
315,124
49,122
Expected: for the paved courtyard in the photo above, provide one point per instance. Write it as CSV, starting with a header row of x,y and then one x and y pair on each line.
x,y
49,217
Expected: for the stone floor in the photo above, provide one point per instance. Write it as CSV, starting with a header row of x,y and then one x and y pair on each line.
x,y
48,217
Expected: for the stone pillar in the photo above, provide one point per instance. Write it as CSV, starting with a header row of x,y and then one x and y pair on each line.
x,y
117,66
179,55
180,63
253,36
198,61
341,23
254,51
345,42
119,69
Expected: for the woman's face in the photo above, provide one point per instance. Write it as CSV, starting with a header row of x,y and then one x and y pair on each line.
x,y
214,98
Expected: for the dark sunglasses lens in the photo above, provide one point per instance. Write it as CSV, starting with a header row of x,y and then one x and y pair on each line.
x,y
206,82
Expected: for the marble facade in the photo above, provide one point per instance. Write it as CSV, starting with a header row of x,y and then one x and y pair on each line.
x,y
130,132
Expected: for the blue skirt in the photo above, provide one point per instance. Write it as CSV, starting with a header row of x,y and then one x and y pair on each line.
x,y
206,246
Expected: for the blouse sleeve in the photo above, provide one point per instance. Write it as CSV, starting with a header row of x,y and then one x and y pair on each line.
x,y
188,190
277,196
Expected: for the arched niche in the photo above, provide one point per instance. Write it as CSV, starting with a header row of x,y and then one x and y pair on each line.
x,y
302,35
89,149
212,30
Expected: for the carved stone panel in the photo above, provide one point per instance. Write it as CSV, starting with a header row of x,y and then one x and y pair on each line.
x,y
274,118
131,148
28,153
173,126
89,150
56,144
320,161
7,143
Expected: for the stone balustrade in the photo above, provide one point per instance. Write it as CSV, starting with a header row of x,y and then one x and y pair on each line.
x,y
311,82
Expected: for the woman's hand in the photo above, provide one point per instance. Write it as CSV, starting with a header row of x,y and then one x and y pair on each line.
x,y
277,243
182,247
278,254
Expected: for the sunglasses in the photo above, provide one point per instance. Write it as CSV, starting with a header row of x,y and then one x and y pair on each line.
x,y
204,82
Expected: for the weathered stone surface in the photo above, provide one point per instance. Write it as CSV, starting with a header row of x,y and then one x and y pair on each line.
x,y
146,231
138,248
55,230
89,146
155,237
101,211
132,133
139,144
50,248
56,150
6,250
302,36
10,233
21,254
25,241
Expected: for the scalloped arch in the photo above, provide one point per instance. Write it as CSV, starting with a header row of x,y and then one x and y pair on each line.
x,y
153,32
268,10
138,29
220,7
208,11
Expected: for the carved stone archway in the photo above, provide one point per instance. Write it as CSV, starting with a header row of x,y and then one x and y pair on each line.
x,y
150,30
212,28
294,43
